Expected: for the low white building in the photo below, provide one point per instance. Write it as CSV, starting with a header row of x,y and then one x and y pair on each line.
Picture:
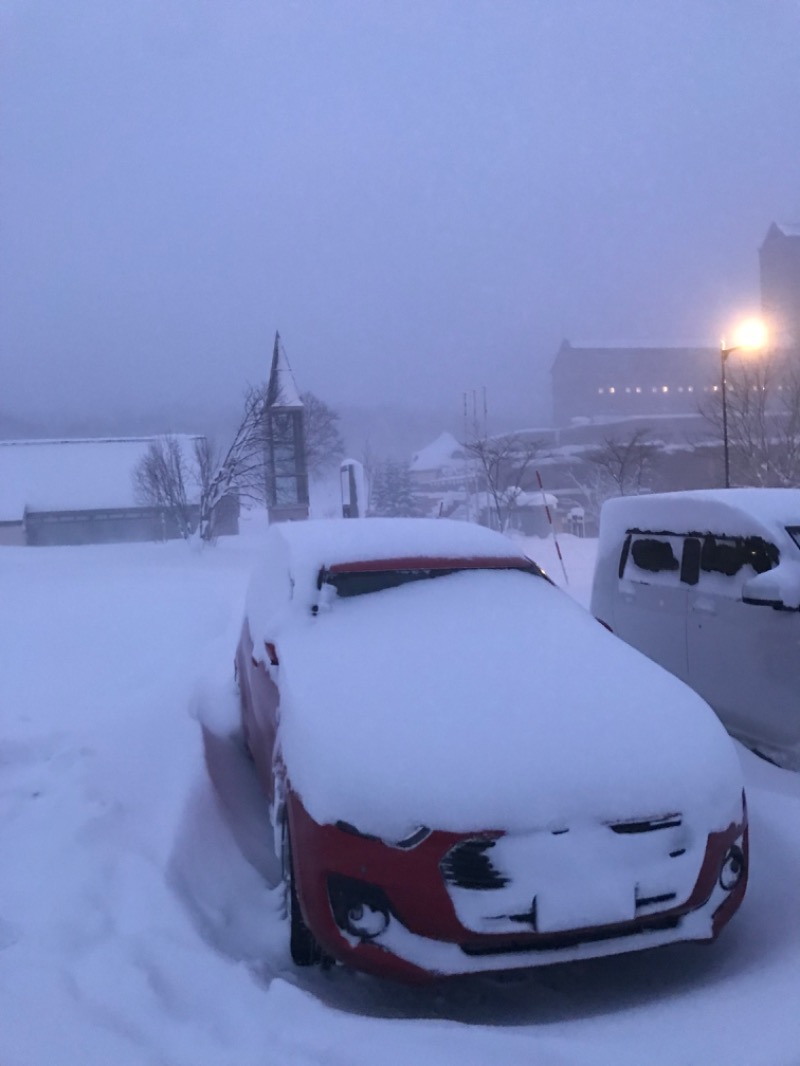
x,y
82,492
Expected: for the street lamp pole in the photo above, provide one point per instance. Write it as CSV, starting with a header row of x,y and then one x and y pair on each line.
x,y
723,359
750,336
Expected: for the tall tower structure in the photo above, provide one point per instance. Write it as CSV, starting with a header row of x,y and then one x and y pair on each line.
x,y
286,470
779,258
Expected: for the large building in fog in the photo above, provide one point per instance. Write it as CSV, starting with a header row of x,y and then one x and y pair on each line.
x,y
779,258
605,383
609,383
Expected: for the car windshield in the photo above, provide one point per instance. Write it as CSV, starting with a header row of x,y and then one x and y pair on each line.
x,y
358,582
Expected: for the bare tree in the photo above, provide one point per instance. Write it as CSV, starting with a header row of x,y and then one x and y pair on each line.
x,y
625,464
237,471
170,477
163,478
763,407
323,439
502,464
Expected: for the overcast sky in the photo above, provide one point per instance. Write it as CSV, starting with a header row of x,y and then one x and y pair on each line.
x,y
422,195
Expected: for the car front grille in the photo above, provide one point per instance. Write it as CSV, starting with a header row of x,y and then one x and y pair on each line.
x,y
497,883
647,825
469,865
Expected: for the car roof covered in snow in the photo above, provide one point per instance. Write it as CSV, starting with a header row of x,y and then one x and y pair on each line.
x,y
326,542
295,552
732,512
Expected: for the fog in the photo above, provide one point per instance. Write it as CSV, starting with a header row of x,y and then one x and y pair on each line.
x,y
423,196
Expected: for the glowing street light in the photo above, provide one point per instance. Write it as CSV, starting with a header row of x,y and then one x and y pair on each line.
x,y
750,336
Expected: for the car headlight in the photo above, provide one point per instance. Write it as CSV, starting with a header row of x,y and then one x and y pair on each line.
x,y
732,868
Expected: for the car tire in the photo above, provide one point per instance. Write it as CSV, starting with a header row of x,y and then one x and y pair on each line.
x,y
303,946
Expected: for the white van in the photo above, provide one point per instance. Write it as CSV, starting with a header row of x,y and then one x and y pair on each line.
x,y
707,584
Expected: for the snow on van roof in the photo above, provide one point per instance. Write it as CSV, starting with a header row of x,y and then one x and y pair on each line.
x,y
747,511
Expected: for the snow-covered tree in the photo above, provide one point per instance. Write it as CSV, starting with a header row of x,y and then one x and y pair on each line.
x,y
238,470
392,491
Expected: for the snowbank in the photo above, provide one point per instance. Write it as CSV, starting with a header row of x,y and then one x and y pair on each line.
x,y
136,927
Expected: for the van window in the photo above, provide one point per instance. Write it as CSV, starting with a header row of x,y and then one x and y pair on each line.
x,y
728,555
762,555
653,555
720,555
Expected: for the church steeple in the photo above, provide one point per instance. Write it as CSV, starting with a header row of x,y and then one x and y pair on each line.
x,y
284,442
281,390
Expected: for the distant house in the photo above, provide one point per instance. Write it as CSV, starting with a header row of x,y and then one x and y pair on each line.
x,y
438,463
82,492
440,477
525,512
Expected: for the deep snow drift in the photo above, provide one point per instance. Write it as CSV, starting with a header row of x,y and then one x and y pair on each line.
x,y
137,921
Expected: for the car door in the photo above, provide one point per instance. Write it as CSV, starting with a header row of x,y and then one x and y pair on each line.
x,y
260,702
652,599
742,656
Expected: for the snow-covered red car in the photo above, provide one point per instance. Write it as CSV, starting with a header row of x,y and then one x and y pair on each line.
x,y
465,771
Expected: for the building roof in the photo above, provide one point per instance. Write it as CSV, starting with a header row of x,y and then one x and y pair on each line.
x,y
442,453
644,361
281,388
780,231
788,229
71,475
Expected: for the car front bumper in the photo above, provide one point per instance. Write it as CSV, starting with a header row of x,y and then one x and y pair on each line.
x,y
409,927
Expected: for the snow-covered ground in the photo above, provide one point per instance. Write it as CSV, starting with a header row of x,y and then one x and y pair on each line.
x,y
137,921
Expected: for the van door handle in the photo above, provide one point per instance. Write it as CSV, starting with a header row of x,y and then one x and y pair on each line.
x,y
702,605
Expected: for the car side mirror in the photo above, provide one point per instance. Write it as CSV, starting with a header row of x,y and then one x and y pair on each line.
x,y
779,588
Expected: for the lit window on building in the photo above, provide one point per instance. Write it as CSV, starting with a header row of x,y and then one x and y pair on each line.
x,y
715,388
665,388
612,390
655,388
680,388
627,388
601,391
690,389
638,388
